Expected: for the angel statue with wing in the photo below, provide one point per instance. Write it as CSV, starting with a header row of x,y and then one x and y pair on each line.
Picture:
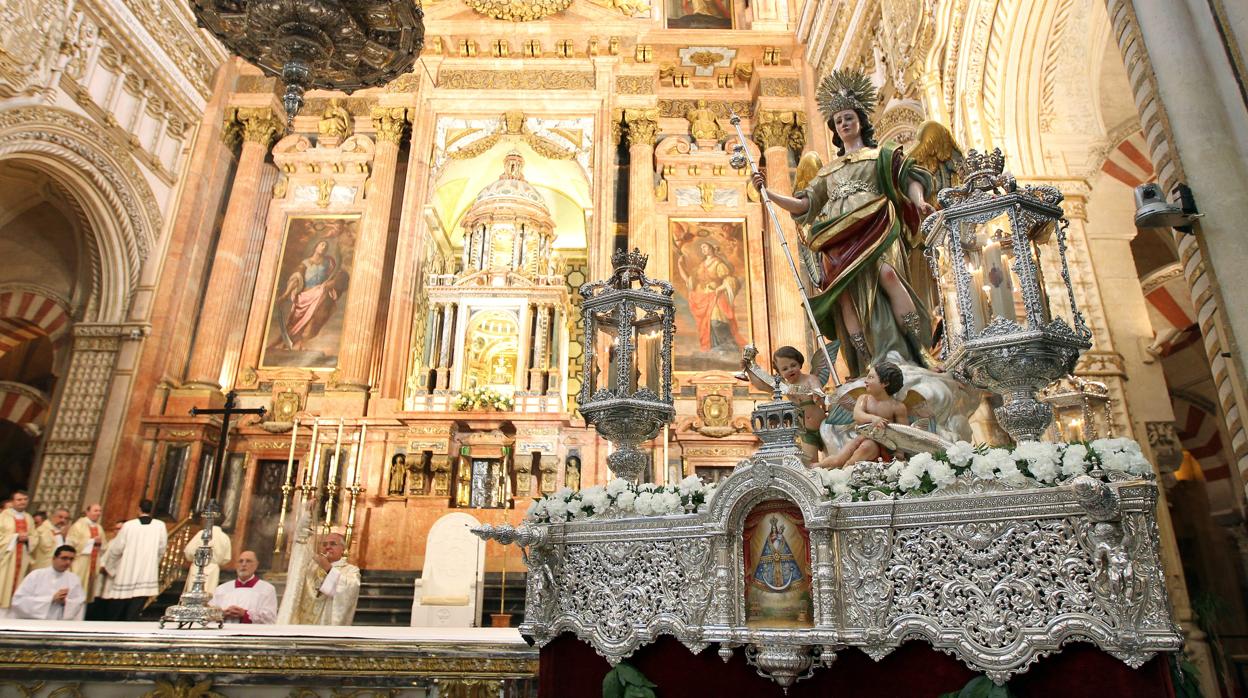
x,y
863,211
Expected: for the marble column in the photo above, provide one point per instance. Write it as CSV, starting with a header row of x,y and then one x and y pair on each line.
x,y
776,132
249,200
444,348
540,347
642,130
360,319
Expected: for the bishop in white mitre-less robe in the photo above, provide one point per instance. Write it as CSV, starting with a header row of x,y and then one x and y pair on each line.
x,y
33,599
221,554
254,594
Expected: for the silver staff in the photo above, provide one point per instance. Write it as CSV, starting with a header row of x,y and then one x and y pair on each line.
x,y
740,158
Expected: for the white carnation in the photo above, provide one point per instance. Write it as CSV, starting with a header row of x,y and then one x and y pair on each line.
x,y
644,504
837,480
557,509
1115,461
537,510
961,453
1139,465
625,501
617,487
563,493
1044,471
673,503
690,485
941,473
983,467
921,461
1074,460
908,480
1007,470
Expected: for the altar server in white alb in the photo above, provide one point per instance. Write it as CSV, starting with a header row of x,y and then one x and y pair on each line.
x,y
51,593
221,552
132,564
248,599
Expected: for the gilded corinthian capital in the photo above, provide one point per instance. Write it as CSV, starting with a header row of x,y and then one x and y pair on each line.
x,y
259,124
779,129
642,125
390,123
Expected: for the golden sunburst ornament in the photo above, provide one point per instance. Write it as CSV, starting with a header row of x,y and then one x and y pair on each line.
x,y
846,89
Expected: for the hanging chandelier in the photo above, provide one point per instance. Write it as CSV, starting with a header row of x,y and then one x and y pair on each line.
x,y
329,44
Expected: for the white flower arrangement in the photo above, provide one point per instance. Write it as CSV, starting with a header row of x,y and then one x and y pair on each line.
x,y
620,497
1042,463
482,398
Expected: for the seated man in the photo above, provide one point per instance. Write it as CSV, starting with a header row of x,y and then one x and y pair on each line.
x,y
248,599
51,593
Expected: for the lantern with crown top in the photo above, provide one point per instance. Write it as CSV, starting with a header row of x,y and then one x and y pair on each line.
x,y
627,397
985,248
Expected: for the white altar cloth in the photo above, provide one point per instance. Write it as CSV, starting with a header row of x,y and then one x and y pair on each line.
x,y
451,636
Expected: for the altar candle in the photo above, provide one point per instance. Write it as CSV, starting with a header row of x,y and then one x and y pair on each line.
x,y
310,466
333,474
359,454
290,457
314,452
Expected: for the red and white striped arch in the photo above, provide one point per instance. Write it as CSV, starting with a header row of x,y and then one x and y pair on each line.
x,y
25,315
23,406
1128,164
1198,430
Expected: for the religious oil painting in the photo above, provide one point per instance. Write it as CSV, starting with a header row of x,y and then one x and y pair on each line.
x,y
310,293
777,566
712,297
699,14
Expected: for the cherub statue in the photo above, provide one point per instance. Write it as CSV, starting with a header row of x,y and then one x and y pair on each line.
x,y
878,407
802,389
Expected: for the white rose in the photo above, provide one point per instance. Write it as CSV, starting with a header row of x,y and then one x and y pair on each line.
x,y
1074,460
961,453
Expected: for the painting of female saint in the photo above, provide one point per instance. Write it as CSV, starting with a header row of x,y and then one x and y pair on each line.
x,y
305,317
712,294
777,566
699,14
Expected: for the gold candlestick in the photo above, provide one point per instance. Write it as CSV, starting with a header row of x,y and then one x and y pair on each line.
x,y
286,486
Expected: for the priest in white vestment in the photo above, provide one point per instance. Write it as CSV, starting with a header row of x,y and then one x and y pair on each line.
x,y
88,538
132,564
221,552
16,530
247,599
53,592
330,586
49,536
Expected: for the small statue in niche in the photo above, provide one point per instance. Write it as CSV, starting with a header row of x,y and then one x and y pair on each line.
x,y
335,124
703,124
572,473
398,475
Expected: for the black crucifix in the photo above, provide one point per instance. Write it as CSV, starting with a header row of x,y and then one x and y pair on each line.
x,y
231,408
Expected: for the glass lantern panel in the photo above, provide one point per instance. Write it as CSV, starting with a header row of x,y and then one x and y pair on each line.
x,y
946,301
994,284
606,346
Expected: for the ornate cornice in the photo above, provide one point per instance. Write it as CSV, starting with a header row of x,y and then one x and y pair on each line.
x,y
516,80
780,129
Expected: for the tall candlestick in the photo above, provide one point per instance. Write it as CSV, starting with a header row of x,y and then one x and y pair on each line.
x,y
331,488
287,486
355,488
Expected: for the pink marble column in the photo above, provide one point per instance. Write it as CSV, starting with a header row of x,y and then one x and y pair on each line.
x,y
775,132
643,130
364,296
249,199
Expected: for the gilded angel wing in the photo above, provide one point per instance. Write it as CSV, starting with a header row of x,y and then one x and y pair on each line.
x,y
807,168
936,151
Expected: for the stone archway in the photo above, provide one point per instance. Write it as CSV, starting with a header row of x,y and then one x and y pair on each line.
x,y
119,224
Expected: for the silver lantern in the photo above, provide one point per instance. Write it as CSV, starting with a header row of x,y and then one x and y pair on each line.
x,y
984,248
1082,409
620,315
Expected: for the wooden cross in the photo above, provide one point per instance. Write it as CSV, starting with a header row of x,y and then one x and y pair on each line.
x,y
231,408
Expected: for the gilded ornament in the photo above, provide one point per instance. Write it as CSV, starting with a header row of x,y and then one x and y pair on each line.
x,y
518,10
844,90
324,191
702,122
260,125
516,80
779,129
183,688
642,125
705,59
335,124
634,84
678,108
778,87
630,8
390,123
